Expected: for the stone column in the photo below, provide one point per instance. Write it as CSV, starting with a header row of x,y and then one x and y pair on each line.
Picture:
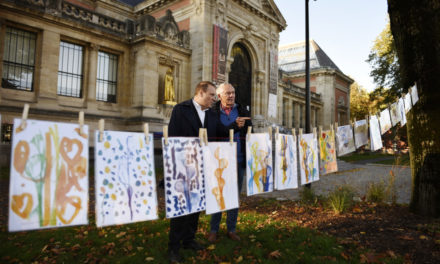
x,y
289,113
49,64
296,107
93,68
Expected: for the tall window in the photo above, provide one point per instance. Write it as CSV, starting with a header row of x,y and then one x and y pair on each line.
x,y
293,115
70,70
106,78
19,59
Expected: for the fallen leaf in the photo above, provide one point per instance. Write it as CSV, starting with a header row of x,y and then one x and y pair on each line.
x,y
391,254
239,259
149,258
405,237
120,234
44,248
423,237
275,254
211,247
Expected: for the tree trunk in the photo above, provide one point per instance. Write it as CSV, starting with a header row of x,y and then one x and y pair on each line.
x,y
415,26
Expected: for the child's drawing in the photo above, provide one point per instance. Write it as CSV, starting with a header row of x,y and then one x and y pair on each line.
x,y
345,141
286,168
327,152
259,164
308,158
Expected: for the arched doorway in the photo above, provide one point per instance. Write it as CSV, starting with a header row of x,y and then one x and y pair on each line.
x,y
240,75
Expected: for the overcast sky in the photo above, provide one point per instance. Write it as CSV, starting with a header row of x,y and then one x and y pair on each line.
x,y
344,29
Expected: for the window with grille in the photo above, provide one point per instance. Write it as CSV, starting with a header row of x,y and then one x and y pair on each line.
x,y
70,70
106,79
19,59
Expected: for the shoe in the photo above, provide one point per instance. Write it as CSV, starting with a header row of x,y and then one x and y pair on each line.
x,y
233,236
193,245
212,237
174,256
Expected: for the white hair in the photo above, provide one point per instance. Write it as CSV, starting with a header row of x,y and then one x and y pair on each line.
x,y
221,88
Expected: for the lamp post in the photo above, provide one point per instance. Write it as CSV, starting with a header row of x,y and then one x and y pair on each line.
x,y
308,129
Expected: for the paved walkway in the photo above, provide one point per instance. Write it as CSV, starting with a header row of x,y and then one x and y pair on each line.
x,y
359,177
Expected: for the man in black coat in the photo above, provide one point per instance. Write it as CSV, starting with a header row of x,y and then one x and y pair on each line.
x,y
186,120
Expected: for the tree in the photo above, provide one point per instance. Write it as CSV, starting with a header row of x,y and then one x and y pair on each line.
x,y
359,102
415,26
385,69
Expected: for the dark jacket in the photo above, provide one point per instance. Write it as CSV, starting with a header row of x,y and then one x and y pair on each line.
x,y
185,122
242,112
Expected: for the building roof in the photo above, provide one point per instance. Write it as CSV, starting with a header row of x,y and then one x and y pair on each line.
x,y
291,57
131,2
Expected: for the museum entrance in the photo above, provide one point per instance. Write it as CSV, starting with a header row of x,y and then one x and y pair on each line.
x,y
240,75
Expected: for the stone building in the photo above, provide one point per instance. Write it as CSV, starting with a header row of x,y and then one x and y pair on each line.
x,y
327,82
109,58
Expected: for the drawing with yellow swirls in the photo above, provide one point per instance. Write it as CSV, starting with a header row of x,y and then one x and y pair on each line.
x,y
259,164
308,158
285,162
327,152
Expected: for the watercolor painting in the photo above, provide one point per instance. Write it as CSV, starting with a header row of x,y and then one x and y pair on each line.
x,y
49,175
414,95
375,135
220,170
183,174
327,152
125,180
407,102
401,107
259,164
395,114
308,158
384,121
344,140
360,133
286,168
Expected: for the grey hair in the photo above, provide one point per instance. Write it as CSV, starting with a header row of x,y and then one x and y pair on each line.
x,y
221,88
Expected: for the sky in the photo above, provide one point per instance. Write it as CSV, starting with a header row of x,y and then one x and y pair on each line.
x,y
344,29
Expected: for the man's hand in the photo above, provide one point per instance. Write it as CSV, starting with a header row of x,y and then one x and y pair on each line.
x,y
241,120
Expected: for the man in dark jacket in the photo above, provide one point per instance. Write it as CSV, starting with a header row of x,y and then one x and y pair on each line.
x,y
231,113
186,119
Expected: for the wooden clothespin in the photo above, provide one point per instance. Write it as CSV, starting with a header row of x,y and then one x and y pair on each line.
x,y
146,133
231,136
101,124
294,134
300,132
277,133
165,134
269,129
314,132
81,122
201,137
249,131
24,117
320,130
336,126
205,136
331,127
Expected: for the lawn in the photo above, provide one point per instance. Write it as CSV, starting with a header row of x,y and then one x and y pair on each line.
x,y
388,159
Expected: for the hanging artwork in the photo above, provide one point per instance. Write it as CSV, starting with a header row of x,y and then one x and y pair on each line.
x,y
327,150
407,101
395,114
345,141
183,174
49,175
385,121
414,95
286,169
308,158
401,107
361,133
375,135
259,163
220,170
125,180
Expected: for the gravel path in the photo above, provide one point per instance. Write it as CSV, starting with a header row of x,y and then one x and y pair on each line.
x,y
359,177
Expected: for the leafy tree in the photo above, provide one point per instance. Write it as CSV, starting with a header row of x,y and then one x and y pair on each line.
x,y
385,69
415,26
359,102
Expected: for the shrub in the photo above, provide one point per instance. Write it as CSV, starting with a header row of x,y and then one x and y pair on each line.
x,y
340,199
308,197
376,192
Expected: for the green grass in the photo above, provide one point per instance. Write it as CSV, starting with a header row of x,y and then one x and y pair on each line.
x,y
363,156
402,160
264,240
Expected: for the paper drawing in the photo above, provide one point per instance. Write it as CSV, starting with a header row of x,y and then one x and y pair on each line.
x,y
125,180
259,164
407,101
308,158
345,141
286,168
361,133
402,113
385,121
414,95
327,150
395,114
375,135
49,175
183,174
220,170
